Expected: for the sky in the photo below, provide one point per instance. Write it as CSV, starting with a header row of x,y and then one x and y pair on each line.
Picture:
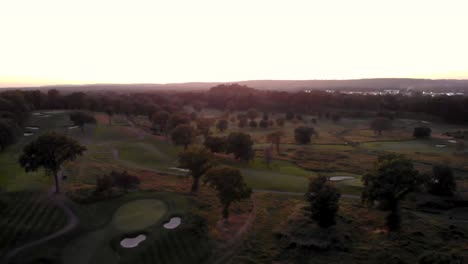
x,y
151,41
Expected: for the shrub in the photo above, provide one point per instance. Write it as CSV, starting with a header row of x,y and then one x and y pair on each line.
x,y
422,132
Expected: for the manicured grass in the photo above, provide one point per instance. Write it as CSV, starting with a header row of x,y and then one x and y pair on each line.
x,y
27,216
139,214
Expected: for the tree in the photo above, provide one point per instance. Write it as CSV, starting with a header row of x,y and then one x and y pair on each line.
x,y
9,132
289,115
198,160
267,154
275,138
240,145
242,122
323,198
442,181
388,183
303,134
159,120
253,124
50,151
80,118
263,123
252,114
336,117
280,122
216,144
222,125
203,126
422,132
177,119
183,135
229,185
265,116
380,124
109,113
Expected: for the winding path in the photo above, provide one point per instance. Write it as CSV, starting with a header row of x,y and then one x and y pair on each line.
x,y
73,222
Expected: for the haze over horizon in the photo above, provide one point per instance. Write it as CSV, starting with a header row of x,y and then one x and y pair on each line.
x,y
80,42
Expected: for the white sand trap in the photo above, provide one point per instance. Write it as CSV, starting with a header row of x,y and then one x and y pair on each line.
x,y
28,134
43,116
37,114
132,242
440,146
173,223
72,127
32,127
425,122
179,169
341,178
452,141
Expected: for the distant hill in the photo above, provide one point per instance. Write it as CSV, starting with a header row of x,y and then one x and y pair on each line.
x,y
285,85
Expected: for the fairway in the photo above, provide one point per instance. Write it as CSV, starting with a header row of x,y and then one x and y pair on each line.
x,y
139,214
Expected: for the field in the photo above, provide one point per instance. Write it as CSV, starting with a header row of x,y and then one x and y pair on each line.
x,y
344,148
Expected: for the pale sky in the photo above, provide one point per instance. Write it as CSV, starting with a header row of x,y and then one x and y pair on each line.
x,y
137,41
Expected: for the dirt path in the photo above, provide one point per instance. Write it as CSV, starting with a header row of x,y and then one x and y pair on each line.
x,y
228,250
59,200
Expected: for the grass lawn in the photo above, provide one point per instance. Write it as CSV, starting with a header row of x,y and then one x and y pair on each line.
x,y
27,216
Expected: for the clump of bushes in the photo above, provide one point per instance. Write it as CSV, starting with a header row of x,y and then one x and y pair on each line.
x,y
123,181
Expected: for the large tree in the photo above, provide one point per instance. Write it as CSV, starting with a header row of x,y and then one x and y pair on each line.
x,y
216,144
240,144
222,125
50,151
80,118
109,113
303,134
323,198
380,124
252,114
391,179
159,121
275,138
9,132
183,135
229,185
198,160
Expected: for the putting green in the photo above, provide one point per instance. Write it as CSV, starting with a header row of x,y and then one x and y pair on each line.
x,y
139,214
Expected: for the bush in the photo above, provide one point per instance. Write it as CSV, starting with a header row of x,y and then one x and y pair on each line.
x,y
216,144
264,124
253,124
440,258
442,181
124,180
302,134
422,132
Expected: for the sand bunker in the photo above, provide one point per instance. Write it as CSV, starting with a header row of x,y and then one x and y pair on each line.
x,y
178,169
73,127
341,178
132,242
440,146
28,134
32,127
42,116
452,141
173,223
425,122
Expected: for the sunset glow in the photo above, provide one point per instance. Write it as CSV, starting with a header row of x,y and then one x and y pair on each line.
x,y
111,41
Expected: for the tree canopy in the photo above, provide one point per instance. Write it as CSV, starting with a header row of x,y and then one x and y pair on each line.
x,y
391,179
183,135
323,198
240,144
229,185
198,160
303,134
50,151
